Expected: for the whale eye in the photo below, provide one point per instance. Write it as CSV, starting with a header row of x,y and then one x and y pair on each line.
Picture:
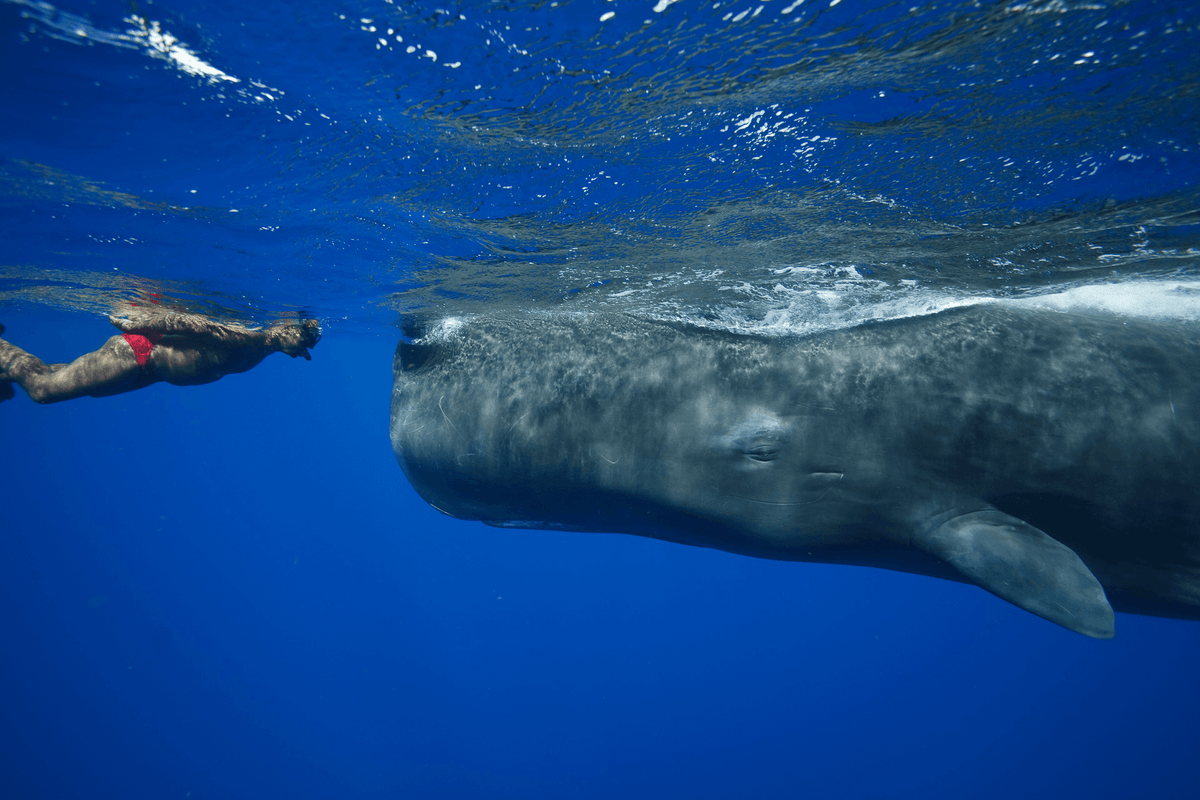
x,y
763,452
757,436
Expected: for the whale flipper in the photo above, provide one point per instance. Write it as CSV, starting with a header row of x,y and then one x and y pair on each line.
x,y
1019,563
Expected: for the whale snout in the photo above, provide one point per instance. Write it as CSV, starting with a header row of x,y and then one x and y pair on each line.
x,y
412,356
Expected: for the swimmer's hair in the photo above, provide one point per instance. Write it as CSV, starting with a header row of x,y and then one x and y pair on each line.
x,y
310,332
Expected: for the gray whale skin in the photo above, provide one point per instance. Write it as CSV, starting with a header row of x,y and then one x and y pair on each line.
x,y
1052,459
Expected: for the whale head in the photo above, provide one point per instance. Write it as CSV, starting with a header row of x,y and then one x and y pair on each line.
x,y
671,446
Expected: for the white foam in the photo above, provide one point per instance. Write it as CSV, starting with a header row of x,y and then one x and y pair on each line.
x,y
1147,299
145,35
161,44
812,309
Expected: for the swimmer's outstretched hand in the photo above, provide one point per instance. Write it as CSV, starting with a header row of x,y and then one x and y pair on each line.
x,y
294,340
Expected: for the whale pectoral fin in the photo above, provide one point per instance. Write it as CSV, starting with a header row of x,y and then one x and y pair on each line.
x,y
1016,561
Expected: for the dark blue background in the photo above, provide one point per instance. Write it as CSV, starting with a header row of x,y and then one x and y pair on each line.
x,y
230,590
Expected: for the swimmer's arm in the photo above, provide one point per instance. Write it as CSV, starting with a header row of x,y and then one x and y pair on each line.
x,y
288,338
190,325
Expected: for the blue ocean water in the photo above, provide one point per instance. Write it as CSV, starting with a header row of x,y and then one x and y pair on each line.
x,y
231,591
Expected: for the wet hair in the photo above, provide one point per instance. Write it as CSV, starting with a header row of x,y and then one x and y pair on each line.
x,y
310,331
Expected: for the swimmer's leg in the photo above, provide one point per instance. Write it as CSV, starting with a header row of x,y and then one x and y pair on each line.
x,y
110,370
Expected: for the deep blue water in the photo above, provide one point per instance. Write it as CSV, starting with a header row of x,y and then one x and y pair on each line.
x,y
231,591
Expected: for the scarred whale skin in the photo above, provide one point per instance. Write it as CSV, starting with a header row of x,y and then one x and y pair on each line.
x,y
1052,459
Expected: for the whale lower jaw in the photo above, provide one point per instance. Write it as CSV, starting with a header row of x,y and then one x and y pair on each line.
x,y
537,525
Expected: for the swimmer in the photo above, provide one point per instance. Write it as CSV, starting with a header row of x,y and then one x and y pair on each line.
x,y
182,349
